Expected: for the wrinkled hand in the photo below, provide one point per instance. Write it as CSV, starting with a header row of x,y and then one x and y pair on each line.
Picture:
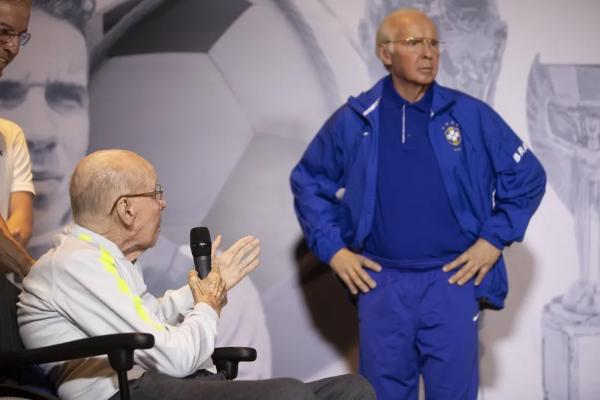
x,y
478,259
237,261
350,267
210,290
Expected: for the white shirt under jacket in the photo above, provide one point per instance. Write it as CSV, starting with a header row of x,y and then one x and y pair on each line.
x,y
86,287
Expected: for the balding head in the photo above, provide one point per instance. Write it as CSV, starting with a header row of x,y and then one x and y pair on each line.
x,y
101,177
408,46
394,22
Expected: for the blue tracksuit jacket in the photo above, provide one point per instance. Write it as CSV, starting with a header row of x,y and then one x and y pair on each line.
x,y
493,181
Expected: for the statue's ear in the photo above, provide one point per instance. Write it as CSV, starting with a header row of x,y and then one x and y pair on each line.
x,y
384,53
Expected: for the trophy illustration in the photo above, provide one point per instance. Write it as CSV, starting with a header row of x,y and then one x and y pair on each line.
x,y
563,112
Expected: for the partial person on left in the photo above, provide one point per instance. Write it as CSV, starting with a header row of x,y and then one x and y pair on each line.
x,y
16,187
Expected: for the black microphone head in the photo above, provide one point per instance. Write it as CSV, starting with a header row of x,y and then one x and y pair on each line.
x,y
200,242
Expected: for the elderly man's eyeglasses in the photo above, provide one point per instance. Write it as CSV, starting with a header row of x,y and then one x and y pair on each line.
x,y
6,35
157,194
417,44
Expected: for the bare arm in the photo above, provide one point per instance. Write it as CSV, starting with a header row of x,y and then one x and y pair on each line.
x,y
13,256
20,216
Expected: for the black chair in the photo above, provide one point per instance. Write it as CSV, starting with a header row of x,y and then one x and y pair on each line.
x,y
16,363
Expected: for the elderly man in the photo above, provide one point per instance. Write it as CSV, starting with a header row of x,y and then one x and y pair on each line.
x,y
16,188
88,284
404,184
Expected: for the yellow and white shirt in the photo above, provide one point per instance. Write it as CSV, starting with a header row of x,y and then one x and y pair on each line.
x,y
85,287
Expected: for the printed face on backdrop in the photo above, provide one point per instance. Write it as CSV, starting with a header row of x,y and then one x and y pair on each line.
x,y
49,101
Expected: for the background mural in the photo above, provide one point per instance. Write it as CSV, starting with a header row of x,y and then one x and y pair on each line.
x,y
563,111
223,97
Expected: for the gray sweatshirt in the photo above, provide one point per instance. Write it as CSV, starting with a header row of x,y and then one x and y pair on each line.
x,y
85,287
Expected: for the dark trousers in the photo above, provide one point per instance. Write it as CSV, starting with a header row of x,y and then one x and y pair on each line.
x,y
154,385
9,330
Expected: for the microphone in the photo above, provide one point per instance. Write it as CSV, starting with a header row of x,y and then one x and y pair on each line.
x,y
201,248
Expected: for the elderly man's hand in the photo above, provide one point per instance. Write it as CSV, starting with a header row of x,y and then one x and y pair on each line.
x,y
478,259
210,290
237,261
350,267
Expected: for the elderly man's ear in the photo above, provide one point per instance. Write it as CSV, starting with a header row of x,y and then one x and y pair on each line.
x,y
126,211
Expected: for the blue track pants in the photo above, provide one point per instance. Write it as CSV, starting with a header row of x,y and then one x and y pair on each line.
x,y
414,322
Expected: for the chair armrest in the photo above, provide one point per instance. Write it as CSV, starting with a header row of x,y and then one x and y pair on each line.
x,y
119,347
226,359
94,346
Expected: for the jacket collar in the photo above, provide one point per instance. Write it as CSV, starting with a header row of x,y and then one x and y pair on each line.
x,y
443,98
366,103
94,239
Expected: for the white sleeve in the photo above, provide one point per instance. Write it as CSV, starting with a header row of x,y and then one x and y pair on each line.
x,y
96,299
22,179
173,306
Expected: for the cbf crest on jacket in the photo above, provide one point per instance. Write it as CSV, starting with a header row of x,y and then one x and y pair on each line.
x,y
494,182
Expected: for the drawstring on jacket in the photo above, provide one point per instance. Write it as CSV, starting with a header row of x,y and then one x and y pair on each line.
x,y
403,123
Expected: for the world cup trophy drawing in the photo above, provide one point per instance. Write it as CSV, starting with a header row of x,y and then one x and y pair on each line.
x,y
563,112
